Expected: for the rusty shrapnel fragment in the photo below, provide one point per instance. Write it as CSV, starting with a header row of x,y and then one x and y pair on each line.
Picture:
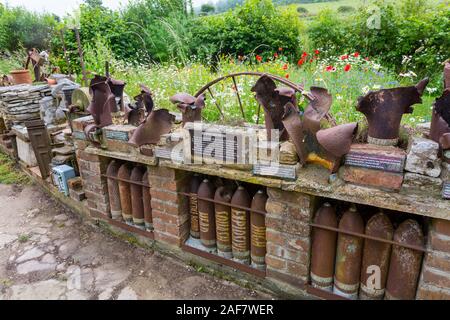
x,y
223,221
137,200
336,142
135,114
384,110
193,206
103,102
441,119
125,193
113,190
404,268
147,198
447,75
348,255
190,107
273,100
324,248
258,230
145,99
117,88
158,122
207,221
376,256
294,126
240,226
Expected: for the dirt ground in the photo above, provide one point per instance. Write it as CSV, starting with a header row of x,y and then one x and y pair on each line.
x,y
47,253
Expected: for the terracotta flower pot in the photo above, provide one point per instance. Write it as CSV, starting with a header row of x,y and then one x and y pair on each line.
x,y
21,76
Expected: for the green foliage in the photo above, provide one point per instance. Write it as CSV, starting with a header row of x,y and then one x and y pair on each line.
x,y
207,8
302,10
256,27
9,174
345,9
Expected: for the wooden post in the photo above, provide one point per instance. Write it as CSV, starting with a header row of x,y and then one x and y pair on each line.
x,y
61,33
80,52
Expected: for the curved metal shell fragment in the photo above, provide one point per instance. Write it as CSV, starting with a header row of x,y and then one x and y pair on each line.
x,y
158,122
440,118
294,127
190,107
337,140
103,102
317,109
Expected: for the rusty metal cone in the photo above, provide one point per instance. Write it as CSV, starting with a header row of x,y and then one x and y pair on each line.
x,y
125,193
376,256
294,127
223,221
324,248
158,122
137,200
405,263
207,221
348,255
193,206
258,240
337,140
240,226
113,190
147,198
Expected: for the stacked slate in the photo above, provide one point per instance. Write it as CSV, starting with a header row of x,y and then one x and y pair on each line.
x,y
21,102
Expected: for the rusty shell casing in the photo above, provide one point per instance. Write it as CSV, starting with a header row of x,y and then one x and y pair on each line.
x,y
193,206
207,221
348,255
137,199
223,221
240,226
125,192
113,190
147,199
376,256
323,252
258,230
404,268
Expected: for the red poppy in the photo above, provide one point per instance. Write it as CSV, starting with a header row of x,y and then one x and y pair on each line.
x,y
347,68
344,57
310,61
280,49
275,55
258,57
356,54
329,68
367,59
287,76
304,54
300,62
317,51
285,66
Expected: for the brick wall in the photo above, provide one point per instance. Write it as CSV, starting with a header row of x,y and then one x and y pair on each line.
x,y
288,236
170,211
435,278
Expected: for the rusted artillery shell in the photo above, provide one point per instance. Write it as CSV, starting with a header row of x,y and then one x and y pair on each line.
x,y
240,226
324,248
348,255
405,263
193,206
223,221
207,221
113,190
137,200
147,199
258,230
376,255
125,192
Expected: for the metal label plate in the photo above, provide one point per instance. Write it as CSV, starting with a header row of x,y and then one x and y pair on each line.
x,y
370,161
79,135
446,190
280,171
116,135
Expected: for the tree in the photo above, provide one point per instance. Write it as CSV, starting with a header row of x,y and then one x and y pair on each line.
x,y
207,8
94,3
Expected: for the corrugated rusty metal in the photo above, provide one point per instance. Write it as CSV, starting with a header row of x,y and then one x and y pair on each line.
x,y
384,110
193,206
137,200
258,230
190,107
147,198
323,250
40,141
240,226
405,263
113,190
223,221
125,193
376,254
158,122
207,221
348,255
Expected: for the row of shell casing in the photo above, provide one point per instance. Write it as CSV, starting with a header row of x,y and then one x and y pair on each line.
x,y
237,233
129,194
347,264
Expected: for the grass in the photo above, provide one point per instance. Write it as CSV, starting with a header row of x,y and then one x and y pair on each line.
x,y
9,174
24,238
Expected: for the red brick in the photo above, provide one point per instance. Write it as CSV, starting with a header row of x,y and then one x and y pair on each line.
x,y
295,227
275,263
436,277
165,207
98,198
80,144
167,218
82,155
282,276
428,292
287,211
167,238
286,254
296,198
298,270
438,260
275,237
159,225
164,195
163,172
98,212
92,204
442,226
163,183
374,178
440,242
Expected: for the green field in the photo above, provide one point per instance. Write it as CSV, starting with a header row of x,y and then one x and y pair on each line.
x,y
314,8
